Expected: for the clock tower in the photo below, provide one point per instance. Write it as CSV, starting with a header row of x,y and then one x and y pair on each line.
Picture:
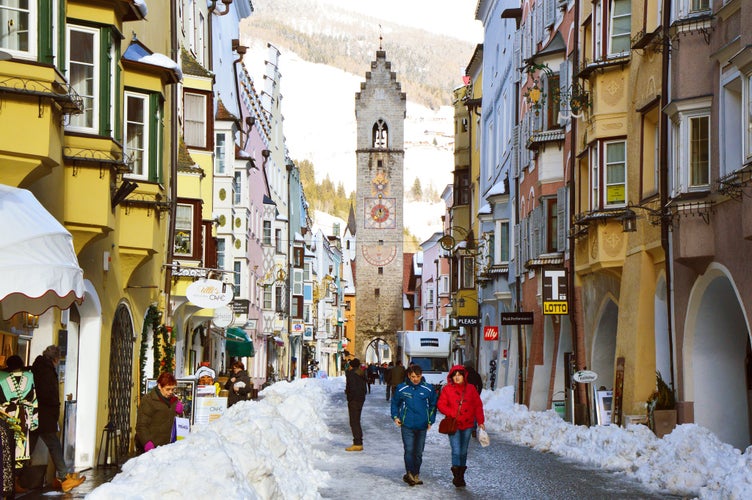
x,y
380,109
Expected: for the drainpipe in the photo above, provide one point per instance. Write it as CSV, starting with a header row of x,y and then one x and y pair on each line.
x,y
666,242
173,172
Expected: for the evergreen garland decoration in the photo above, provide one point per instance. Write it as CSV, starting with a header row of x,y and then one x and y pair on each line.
x,y
152,320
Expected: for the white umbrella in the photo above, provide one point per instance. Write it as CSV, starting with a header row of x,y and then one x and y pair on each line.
x,y
38,265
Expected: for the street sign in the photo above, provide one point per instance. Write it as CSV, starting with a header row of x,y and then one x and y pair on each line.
x,y
491,333
555,299
517,318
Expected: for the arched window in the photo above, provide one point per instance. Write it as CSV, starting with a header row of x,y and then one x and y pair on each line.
x,y
380,135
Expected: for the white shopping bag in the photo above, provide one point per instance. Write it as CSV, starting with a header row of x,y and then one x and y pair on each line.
x,y
483,438
180,428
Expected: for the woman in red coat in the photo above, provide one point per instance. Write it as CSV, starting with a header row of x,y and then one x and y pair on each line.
x,y
461,400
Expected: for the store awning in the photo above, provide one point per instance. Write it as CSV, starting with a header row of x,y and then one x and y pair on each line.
x,y
38,263
238,344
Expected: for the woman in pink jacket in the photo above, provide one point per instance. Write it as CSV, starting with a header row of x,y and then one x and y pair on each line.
x,y
461,400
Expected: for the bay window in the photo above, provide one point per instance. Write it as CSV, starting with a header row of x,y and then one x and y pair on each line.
x,y
195,123
612,28
18,27
608,174
691,145
137,133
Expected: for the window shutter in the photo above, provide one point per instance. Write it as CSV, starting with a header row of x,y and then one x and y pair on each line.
x,y
518,248
549,12
539,23
562,221
564,89
517,55
515,150
297,284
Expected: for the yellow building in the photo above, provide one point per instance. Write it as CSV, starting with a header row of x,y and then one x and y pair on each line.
x,y
617,170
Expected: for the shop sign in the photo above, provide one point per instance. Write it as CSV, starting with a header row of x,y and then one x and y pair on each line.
x,y
222,316
517,318
585,376
209,294
555,294
467,321
308,333
491,333
240,306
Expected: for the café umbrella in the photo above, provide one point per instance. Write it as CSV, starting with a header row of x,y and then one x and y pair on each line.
x,y
38,263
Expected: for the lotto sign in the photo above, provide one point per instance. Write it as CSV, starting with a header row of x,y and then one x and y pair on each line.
x,y
491,333
555,300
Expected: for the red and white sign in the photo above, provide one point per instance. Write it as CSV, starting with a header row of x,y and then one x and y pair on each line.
x,y
490,333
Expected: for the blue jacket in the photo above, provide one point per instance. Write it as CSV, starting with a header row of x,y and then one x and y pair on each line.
x,y
414,405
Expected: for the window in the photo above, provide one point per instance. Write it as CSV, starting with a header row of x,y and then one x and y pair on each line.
x,y
381,270
699,151
221,253
83,72
552,225
18,27
380,135
297,282
468,272
297,256
621,27
137,133
462,187
237,183
501,242
279,299
278,240
747,121
220,154
616,173
236,274
184,230
267,232
691,145
297,307
608,170
650,148
194,116
267,297
443,285
611,19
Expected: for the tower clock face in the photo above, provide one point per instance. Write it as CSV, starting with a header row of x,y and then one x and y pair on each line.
x,y
379,255
380,213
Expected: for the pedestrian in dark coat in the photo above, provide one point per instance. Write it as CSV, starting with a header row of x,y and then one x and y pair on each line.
x,y
461,400
238,385
397,376
48,401
156,414
387,379
473,377
356,387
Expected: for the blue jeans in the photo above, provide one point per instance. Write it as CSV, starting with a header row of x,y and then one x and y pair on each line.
x,y
459,441
414,441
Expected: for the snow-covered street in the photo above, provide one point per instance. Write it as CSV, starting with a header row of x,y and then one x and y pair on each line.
x,y
290,445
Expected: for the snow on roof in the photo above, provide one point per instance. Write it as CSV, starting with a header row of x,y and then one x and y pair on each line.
x,y
485,209
496,189
137,52
141,5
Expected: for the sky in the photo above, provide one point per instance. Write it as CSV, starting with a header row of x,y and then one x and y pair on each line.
x,y
281,447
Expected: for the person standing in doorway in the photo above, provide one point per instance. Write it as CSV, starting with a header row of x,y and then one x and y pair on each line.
x,y
48,399
355,389
460,400
414,411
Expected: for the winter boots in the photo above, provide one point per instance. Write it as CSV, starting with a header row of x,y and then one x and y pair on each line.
x,y
355,447
459,475
71,481
409,479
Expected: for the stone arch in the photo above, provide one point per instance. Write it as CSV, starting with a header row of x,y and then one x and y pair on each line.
x,y
716,357
380,135
378,351
604,343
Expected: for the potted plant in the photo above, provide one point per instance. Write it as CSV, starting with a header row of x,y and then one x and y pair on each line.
x,y
662,408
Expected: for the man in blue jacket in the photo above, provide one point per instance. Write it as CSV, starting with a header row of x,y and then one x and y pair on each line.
x,y
414,411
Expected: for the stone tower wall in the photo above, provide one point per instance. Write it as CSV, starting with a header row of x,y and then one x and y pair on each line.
x,y
379,207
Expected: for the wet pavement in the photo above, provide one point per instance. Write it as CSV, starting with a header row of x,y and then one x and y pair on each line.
x,y
94,477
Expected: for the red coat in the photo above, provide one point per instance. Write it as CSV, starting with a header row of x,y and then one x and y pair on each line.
x,y
472,407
